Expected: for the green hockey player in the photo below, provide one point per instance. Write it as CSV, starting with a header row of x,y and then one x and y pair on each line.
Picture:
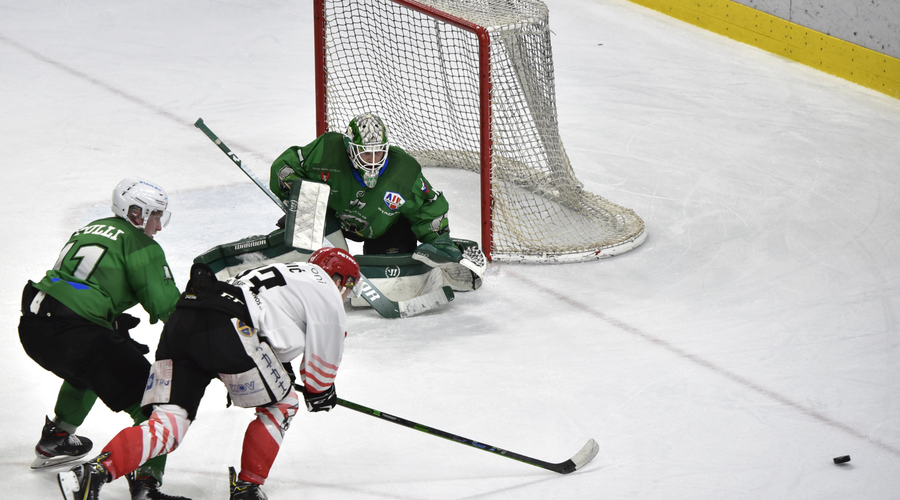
x,y
74,323
378,193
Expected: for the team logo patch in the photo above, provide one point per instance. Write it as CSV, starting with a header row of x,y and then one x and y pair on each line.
x,y
425,188
393,200
243,328
324,176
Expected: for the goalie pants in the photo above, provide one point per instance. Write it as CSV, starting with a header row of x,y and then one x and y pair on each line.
x,y
84,354
201,344
399,238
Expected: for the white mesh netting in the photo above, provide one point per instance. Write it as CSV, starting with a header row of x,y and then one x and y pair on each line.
x,y
420,74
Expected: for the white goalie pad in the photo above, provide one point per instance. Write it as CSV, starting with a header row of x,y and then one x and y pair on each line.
x,y
460,278
404,288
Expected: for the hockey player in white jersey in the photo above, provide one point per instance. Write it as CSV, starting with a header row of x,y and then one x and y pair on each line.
x,y
244,331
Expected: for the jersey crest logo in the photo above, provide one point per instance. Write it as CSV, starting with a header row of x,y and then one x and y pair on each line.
x,y
324,176
393,200
243,328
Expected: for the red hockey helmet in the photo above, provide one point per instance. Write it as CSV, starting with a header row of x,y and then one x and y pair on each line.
x,y
338,262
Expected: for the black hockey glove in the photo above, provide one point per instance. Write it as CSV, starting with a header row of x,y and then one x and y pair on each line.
x,y
202,278
290,370
319,401
123,324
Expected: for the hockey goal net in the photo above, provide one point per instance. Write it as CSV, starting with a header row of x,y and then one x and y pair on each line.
x,y
469,84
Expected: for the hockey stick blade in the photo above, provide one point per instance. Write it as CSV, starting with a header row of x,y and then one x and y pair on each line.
x,y
585,455
427,302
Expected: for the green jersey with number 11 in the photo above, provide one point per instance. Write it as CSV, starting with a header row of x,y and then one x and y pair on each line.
x,y
108,267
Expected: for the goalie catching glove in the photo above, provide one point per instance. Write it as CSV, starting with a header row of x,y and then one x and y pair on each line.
x,y
452,256
318,401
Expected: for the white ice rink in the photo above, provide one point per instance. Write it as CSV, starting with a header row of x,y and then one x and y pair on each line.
x,y
750,340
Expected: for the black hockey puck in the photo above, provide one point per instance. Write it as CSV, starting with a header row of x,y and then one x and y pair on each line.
x,y
842,460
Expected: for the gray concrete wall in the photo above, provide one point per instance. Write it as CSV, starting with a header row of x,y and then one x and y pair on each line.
x,y
873,24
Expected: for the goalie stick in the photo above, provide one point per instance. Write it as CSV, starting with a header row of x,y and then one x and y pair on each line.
x,y
579,460
237,161
383,305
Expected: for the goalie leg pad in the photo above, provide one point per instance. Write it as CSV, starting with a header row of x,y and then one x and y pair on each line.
x,y
460,278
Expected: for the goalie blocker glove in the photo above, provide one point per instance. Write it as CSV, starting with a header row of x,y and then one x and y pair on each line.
x,y
319,401
439,252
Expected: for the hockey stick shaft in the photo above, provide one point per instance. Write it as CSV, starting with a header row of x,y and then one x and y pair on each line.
x,y
237,161
587,453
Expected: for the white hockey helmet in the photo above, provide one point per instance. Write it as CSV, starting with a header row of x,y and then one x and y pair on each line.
x,y
366,136
133,194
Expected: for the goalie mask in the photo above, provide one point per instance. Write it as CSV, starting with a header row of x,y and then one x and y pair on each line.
x,y
337,262
136,200
367,146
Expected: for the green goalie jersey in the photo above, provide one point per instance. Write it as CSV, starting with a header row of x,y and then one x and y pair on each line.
x,y
401,191
106,268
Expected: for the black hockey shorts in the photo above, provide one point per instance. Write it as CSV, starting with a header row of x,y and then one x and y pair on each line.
x,y
201,343
84,354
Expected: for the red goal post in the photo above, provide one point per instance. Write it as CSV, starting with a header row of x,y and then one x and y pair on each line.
x,y
469,84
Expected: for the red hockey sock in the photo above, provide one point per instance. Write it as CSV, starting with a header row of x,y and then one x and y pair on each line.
x,y
126,450
258,454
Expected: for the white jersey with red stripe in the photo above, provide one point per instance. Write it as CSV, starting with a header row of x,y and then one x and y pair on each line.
x,y
299,310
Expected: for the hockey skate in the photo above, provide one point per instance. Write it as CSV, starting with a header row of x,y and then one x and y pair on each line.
x,y
58,447
242,490
84,481
147,488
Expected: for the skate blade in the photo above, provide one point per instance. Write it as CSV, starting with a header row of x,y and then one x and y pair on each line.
x,y
41,462
68,485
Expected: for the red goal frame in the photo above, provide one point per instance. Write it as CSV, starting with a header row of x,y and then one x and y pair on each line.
x,y
484,84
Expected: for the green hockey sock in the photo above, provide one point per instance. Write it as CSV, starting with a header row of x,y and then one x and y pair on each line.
x,y
72,407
